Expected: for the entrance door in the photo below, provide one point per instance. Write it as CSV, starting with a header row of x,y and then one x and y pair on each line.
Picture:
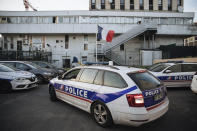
x,y
19,45
66,63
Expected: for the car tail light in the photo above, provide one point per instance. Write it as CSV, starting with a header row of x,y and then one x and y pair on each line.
x,y
135,100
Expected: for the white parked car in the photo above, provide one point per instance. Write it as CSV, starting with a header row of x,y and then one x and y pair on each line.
x,y
175,74
13,79
194,84
112,94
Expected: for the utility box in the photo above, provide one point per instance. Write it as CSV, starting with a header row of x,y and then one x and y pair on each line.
x,y
148,56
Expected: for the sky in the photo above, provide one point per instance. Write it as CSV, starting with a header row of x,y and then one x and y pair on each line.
x,y
41,5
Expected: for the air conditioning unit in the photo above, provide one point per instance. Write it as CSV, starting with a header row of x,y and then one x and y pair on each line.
x,y
180,9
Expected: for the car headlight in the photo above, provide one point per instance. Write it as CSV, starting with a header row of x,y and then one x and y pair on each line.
x,y
20,79
47,73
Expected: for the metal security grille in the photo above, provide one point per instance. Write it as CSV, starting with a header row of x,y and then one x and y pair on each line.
x,y
26,55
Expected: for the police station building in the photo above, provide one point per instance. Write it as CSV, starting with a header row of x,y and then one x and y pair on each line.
x,y
140,27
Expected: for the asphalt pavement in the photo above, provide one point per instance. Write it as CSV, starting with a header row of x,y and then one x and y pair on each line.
x,y
32,110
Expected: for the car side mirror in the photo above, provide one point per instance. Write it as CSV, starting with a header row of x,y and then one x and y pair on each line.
x,y
168,71
60,77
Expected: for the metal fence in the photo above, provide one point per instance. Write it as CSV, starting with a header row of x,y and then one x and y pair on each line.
x,y
26,55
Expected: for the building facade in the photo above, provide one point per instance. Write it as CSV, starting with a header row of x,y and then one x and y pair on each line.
x,y
137,5
68,34
191,41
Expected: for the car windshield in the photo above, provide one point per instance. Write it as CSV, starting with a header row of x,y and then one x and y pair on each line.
x,y
145,80
4,68
32,64
158,67
11,66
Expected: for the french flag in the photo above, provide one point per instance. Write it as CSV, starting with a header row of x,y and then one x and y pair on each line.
x,y
104,34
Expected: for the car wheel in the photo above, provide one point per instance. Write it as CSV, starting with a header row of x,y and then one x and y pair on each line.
x,y
101,114
52,93
6,87
40,79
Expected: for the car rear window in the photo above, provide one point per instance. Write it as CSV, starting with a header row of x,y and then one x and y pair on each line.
x,y
145,80
158,68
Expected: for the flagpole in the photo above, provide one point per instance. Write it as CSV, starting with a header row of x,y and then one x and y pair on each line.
x,y
96,42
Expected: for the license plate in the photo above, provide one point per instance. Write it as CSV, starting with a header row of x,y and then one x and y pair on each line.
x,y
158,96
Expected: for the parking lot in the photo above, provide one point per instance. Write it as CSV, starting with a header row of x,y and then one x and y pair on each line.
x,y
33,110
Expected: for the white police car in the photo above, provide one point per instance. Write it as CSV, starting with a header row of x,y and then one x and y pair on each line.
x,y
175,74
13,79
112,94
194,84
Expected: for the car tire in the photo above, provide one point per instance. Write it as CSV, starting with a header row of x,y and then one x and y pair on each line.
x,y
101,114
6,87
52,93
40,79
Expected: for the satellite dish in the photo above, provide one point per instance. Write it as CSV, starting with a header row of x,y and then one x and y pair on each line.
x,y
110,1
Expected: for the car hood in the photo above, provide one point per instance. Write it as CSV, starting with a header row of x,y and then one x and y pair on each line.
x,y
19,74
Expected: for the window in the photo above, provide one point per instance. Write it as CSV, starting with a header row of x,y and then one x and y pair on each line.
x,y
71,75
160,4
122,47
150,4
169,4
189,67
112,4
145,81
179,2
122,4
113,80
85,37
22,67
187,21
141,4
88,75
85,46
132,4
179,21
175,68
164,21
172,21
66,41
102,4
84,59
54,20
33,20
57,41
12,43
99,78
13,20
60,19
93,4
5,43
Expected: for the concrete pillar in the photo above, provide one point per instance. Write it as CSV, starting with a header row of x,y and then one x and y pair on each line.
x,y
174,5
136,5
117,4
98,4
107,5
155,5
90,5
127,4
165,5
146,4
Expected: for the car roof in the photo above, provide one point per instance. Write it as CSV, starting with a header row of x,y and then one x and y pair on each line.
x,y
119,69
